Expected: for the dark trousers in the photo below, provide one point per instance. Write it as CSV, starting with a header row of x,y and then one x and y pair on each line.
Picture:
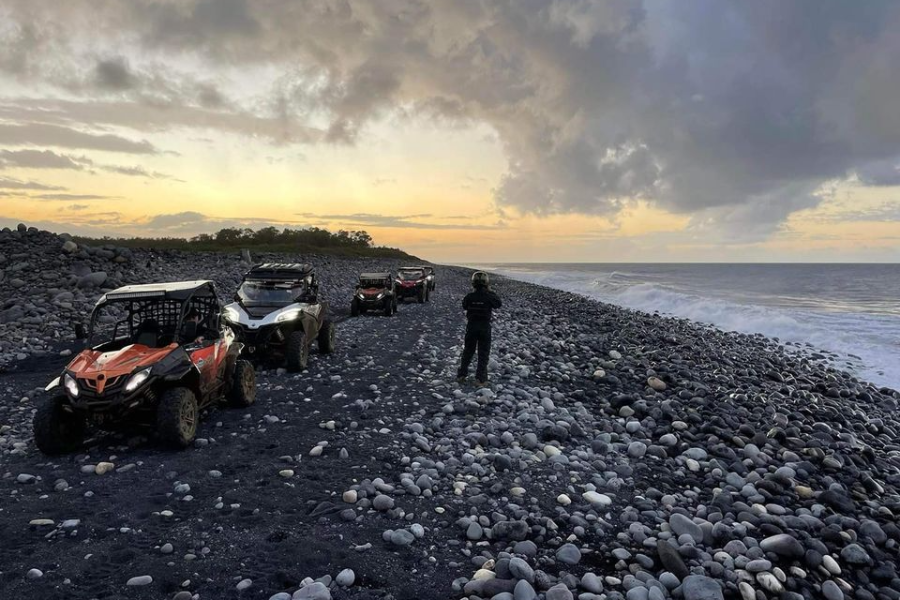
x,y
478,336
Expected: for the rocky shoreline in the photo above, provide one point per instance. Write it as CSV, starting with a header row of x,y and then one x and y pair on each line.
x,y
617,455
48,282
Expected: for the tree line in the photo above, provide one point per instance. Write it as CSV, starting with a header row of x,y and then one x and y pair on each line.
x,y
267,239
234,237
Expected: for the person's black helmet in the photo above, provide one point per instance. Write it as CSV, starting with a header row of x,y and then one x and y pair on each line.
x,y
480,279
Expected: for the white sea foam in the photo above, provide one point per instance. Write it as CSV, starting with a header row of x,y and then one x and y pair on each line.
x,y
868,344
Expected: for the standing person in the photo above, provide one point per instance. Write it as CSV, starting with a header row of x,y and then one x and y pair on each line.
x,y
478,305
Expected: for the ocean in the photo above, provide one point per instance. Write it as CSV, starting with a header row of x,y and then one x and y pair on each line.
x,y
848,309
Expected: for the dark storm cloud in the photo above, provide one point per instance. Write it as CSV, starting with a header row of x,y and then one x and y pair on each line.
x,y
114,74
42,134
733,112
880,172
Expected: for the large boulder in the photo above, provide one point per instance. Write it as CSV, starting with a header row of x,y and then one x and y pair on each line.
x,y
699,587
92,280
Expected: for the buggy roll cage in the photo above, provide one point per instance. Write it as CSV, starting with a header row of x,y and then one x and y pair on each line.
x,y
165,303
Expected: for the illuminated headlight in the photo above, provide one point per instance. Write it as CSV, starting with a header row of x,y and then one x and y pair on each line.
x,y
70,384
361,296
137,379
289,315
380,296
230,313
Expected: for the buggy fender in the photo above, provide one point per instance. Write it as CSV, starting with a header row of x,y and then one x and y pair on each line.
x,y
311,320
175,366
310,325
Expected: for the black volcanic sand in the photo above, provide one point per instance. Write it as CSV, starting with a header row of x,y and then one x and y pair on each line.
x,y
617,454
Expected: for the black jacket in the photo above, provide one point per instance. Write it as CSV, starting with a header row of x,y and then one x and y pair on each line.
x,y
479,304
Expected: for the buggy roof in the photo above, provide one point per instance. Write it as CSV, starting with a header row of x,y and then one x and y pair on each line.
x,y
412,268
176,290
279,271
374,275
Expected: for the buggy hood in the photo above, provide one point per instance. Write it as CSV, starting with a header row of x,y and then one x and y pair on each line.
x,y
91,364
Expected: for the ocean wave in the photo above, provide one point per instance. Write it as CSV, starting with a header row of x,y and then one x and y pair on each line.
x,y
868,344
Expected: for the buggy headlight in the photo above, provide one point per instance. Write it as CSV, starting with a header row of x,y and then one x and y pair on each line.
x,y
71,385
230,313
137,379
288,315
380,296
361,296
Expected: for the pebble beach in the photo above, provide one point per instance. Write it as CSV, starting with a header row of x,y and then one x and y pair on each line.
x,y
617,454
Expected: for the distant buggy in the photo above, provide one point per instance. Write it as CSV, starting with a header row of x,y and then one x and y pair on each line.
x,y
374,292
156,356
412,282
277,312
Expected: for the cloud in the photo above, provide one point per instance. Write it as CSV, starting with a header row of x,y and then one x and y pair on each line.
x,y
883,213
39,159
176,220
192,222
395,222
721,109
47,159
155,115
42,134
883,172
71,197
137,171
16,184
114,74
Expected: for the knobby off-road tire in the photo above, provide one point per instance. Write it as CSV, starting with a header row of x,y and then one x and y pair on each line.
x,y
388,307
354,308
326,337
297,351
56,431
243,385
421,296
176,418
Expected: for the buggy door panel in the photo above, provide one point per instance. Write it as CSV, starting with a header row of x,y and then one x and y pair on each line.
x,y
208,358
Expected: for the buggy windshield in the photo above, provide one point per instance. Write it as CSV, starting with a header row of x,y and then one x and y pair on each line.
x,y
259,293
410,275
373,283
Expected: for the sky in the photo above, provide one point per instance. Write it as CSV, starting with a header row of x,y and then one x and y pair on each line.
x,y
463,130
